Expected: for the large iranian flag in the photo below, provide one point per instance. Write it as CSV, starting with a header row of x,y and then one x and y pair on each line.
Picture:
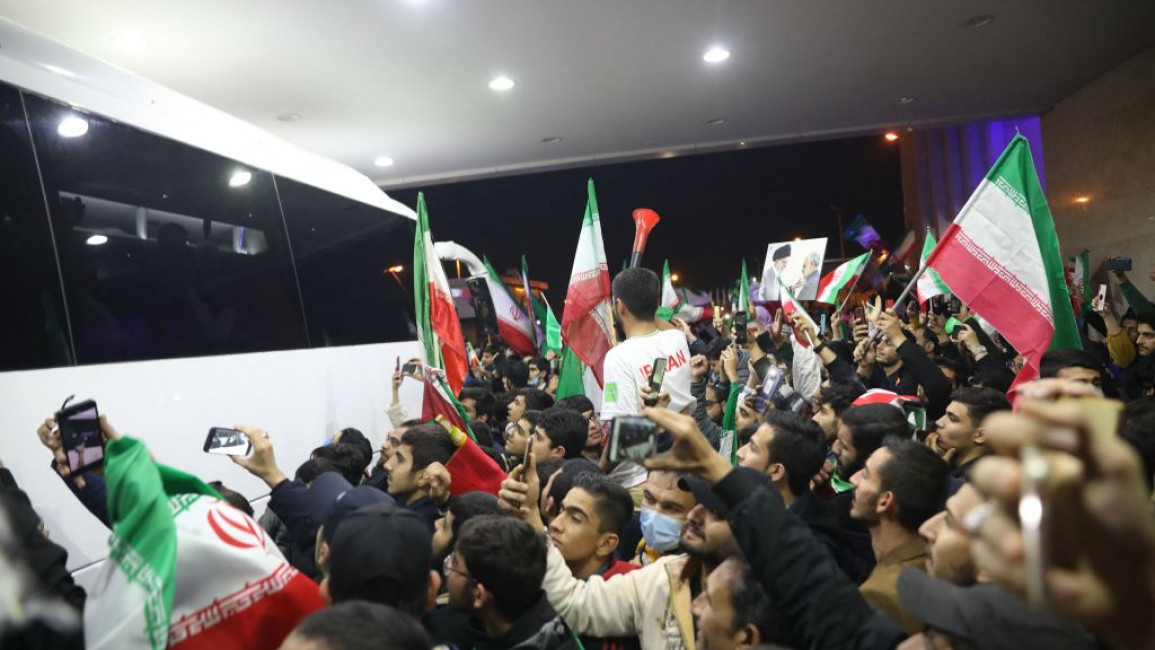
x,y
840,278
186,570
587,322
930,284
671,301
437,326
1001,257
512,323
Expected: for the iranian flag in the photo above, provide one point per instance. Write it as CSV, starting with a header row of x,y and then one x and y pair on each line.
x,y
587,322
840,278
905,247
437,324
790,306
1001,257
930,284
512,323
1081,280
671,301
187,570
743,301
470,468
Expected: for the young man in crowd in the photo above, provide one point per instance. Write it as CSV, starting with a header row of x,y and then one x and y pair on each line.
x,y
560,432
902,484
583,405
495,575
1139,377
479,404
519,437
664,509
628,366
897,364
379,478
528,399
958,436
831,402
412,480
1077,365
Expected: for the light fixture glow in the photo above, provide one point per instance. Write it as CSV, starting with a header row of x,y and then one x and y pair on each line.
x,y
383,161
551,140
891,136
130,43
979,21
55,69
501,83
96,240
395,269
1082,199
240,178
72,127
673,277
716,55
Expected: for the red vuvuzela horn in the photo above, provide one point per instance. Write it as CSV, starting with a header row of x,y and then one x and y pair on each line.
x,y
644,221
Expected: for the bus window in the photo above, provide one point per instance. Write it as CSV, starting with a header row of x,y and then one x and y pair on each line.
x,y
343,250
34,328
166,250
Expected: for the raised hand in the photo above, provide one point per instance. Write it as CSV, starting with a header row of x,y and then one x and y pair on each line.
x,y
699,367
521,491
691,452
262,462
435,480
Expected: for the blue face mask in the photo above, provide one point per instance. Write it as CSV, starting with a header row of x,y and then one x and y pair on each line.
x,y
661,532
533,381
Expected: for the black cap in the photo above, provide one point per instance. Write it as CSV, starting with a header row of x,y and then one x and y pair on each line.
x,y
323,491
381,553
985,616
348,501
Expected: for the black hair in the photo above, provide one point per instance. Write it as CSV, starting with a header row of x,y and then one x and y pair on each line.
x,y
566,429
495,350
233,498
613,503
994,377
517,372
798,445
536,399
747,432
570,470
1146,318
359,625
869,424
351,436
947,362
484,403
981,402
640,291
410,423
749,600
545,469
312,468
715,348
533,416
1055,360
1137,426
842,349
430,443
780,253
507,556
482,432
469,505
917,477
839,395
540,363
349,460
578,403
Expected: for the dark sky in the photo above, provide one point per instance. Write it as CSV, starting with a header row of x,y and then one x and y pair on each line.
x,y
715,208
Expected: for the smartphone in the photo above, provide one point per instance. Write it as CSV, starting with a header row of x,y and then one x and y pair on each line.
x,y
632,437
411,368
227,442
771,383
955,305
1118,263
657,376
554,366
740,318
80,435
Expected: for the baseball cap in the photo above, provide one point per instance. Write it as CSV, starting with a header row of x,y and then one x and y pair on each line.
x,y
986,616
348,501
382,554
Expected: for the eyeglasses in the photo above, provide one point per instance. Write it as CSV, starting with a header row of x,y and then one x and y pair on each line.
x,y
452,567
594,417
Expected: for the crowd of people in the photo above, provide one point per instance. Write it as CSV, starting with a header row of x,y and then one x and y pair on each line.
x,y
884,494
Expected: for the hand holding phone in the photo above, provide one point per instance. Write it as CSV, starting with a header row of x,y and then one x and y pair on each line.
x,y
632,437
227,442
657,376
80,435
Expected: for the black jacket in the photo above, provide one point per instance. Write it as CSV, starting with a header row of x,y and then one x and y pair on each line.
x,y
540,628
917,370
712,431
821,607
850,548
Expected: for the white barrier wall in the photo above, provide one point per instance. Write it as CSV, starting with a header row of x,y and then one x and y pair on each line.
x,y
300,397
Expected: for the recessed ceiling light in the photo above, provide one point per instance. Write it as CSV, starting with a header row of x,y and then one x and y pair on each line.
x,y
979,21
240,178
716,121
130,43
742,143
716,55
551,140
289,117
501,83
1082,199
906,100
96,240
891,136
383,161
72,127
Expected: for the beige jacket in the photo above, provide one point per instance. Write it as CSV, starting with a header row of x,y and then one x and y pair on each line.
x,y
651,603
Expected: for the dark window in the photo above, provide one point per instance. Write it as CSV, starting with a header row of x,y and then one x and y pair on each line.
x,y
343,251
34,327
166,250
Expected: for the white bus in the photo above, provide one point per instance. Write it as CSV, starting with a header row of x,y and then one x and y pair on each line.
x,y
185,270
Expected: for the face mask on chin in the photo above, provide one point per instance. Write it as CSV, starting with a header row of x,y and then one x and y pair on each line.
x,y
661,532
533,381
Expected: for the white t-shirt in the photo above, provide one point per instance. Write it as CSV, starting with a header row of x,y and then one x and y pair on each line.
x,y
628,366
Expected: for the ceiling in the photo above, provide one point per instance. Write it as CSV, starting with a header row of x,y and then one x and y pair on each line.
x,y
614,79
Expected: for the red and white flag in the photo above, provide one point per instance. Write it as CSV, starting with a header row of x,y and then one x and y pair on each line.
x,y
1001,258
512,322
469,468
438,328
587,322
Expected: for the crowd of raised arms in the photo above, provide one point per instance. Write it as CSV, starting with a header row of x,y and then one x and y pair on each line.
x,y
881,493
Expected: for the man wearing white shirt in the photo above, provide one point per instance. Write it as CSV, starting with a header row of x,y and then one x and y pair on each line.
x,y
627,367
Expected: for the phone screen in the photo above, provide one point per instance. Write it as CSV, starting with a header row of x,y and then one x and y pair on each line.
x,y
740,328
80,436
227,442
410,369
631,438
770,386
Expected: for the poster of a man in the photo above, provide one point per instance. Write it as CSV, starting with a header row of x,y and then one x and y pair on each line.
x,y
797,265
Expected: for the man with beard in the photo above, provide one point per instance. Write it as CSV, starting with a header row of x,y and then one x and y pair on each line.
x,y
733,611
